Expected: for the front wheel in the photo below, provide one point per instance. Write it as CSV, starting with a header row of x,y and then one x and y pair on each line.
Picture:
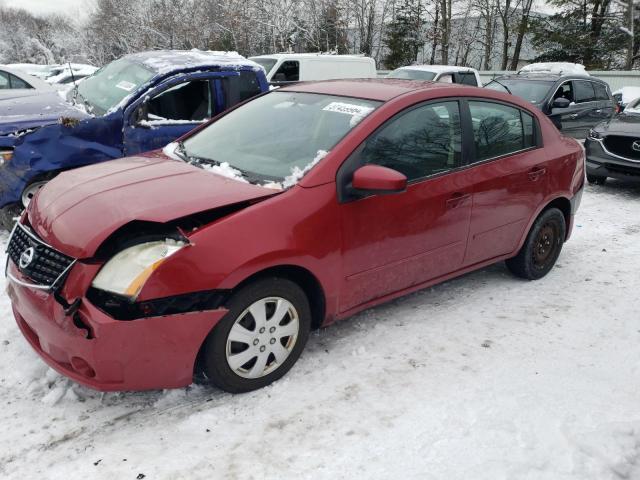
x,y
260,338
542,247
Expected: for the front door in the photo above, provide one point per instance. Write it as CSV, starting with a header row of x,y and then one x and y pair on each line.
x,y
393,242
170,111
510,175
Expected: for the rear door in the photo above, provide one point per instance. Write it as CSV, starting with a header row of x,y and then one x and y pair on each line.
x,y
606,104
393,242
509,172
589,109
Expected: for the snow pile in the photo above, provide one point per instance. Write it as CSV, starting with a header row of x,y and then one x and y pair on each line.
x,y
166,61
296,173
170,151
225,170
62,72
484,377
559,68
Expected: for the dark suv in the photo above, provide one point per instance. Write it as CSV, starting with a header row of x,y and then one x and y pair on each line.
x,y
574,103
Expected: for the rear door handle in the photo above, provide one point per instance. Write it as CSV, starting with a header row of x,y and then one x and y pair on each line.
x,y
457,199
573,116
536,173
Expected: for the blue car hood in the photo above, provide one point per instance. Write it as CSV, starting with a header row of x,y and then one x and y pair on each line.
x,y
23,109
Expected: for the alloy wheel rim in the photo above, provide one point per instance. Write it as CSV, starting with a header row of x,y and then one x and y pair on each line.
x,y
262,337
30,191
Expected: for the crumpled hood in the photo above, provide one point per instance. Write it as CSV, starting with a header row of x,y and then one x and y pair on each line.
x,y
25,109
80,208
623,124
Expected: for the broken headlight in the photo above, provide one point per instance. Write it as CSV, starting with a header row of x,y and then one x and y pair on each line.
x,y
127,271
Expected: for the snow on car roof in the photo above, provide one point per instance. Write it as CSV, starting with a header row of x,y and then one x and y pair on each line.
x,y
437,68
558,68
164,61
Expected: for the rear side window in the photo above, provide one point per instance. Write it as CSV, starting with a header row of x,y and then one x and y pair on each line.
x,y
289,71
421,142
583,91
18,82
601,91
4,81
500,130
238,89
468,78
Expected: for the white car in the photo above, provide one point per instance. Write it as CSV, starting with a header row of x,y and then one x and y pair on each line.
x,y
438,73
285,68
12,79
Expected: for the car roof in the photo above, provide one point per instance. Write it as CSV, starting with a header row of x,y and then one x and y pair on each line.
x,y
552,77
165,61
35,82
437,68
380,89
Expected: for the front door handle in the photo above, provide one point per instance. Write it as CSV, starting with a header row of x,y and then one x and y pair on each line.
x,y
536,173
573,116
457,199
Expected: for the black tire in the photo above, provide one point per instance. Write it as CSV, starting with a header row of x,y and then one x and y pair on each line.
x,y
542,247
8,214
596,179
214,354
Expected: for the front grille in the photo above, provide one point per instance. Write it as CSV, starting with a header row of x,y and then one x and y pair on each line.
x,y
623,146
46,267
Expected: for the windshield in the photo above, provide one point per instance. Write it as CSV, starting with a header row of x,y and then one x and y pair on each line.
x,y
108,86
533,91
279,136
266,63
408,74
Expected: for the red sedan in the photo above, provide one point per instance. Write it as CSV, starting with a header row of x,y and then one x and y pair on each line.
x,y
303,206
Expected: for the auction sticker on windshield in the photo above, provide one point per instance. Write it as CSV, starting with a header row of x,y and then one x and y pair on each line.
x,y
348,109
126,86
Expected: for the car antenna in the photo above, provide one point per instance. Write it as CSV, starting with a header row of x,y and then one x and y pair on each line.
x,y
73,77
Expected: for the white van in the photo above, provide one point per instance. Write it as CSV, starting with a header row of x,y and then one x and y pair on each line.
x,y
299,67
438,73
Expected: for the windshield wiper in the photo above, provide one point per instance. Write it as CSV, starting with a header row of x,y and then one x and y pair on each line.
x,y
501,84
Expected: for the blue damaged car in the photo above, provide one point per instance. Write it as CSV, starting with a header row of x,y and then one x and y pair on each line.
x,y
138,103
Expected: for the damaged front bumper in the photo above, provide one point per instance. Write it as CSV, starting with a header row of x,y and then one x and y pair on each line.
x,y
93,349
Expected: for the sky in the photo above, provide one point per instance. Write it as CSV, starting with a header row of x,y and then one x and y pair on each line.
x,y
72,8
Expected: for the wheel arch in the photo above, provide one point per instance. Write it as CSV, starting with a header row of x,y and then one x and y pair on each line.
x,y
564,205
301,276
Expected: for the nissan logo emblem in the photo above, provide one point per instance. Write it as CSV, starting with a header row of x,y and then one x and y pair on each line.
x,y
27,257
635,146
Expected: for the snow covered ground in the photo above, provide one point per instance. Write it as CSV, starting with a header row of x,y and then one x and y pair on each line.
x,y
483,377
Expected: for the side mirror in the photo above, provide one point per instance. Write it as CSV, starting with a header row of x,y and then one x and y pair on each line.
x,y
561,102
374,179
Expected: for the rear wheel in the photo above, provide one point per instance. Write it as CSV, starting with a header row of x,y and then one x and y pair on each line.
x,y
596,179
260,338
542,247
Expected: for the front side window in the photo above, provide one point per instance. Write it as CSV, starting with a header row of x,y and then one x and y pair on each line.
x,y
446,78
601,91
565,91
265,62
106,88
421,142
289,71
188,101
583,91
500,130
276,135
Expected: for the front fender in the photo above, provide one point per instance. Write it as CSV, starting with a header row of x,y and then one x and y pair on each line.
x,y
53,148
